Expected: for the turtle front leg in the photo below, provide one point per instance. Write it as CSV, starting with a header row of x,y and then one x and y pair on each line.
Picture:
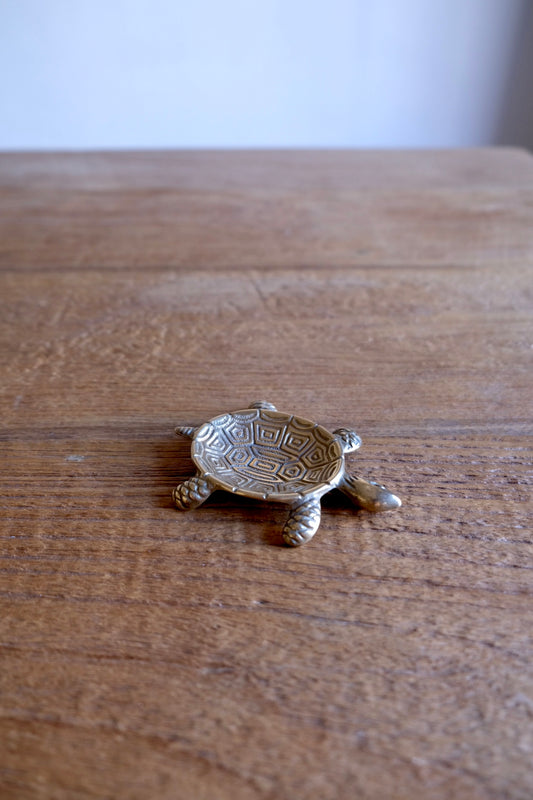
x,y
302,523
368,494
192,493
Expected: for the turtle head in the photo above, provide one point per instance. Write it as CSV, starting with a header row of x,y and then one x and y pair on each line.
x,y
349,439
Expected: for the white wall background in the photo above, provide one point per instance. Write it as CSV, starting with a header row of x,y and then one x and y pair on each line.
x,y
247,73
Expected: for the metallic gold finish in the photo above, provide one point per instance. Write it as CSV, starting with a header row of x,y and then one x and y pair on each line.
x,y
263,453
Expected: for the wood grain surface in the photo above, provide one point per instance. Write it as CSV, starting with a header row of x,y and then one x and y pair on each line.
x,y
147,653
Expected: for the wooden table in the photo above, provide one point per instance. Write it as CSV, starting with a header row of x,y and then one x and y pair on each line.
x,y
147,653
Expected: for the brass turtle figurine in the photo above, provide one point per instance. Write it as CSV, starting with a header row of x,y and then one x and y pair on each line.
x,y
263,453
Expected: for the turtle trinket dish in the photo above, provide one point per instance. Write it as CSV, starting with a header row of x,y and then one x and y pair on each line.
x,y
263,453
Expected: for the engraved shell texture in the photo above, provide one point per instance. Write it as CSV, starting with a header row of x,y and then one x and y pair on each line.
x,y
268,454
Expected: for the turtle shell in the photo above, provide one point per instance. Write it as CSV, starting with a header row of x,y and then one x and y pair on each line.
x,y
267,454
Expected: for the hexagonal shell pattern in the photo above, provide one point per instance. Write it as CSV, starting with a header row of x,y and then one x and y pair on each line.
x,y
268,455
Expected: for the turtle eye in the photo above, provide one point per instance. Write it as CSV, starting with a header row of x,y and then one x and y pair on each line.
x,y
350,440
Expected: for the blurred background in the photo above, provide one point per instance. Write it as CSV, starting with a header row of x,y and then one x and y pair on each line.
x,y
85,74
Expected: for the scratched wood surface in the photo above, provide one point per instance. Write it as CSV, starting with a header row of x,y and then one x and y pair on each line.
x,y
151,654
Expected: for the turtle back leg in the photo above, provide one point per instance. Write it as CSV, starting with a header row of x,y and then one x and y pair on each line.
x,y
302,523
368,494
192,493
263,404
